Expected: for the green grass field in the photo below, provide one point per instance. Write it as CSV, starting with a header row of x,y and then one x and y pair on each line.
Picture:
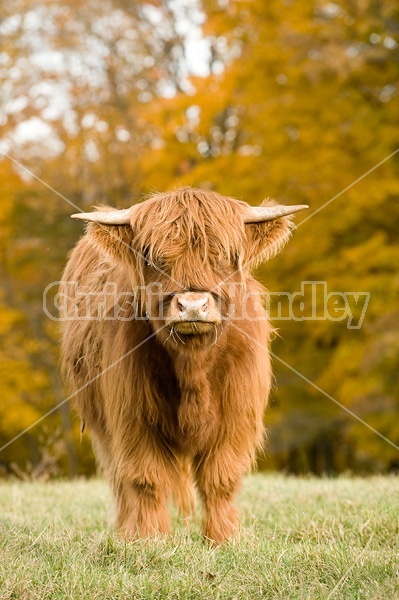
x,y
300,538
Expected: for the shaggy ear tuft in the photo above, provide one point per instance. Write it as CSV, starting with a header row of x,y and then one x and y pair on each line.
x,y
265,240
115,241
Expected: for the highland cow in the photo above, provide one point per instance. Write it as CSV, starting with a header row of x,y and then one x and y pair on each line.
x,y
173,378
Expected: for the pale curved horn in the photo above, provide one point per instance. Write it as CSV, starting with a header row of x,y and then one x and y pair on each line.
x,y
107,217
258,214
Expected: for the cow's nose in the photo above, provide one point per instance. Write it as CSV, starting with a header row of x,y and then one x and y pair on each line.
x,y
192,308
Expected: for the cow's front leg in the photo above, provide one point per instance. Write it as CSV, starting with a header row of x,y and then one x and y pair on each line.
x,y
218,478
142,494
147,509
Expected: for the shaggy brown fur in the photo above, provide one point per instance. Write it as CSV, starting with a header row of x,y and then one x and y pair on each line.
x,y
167,406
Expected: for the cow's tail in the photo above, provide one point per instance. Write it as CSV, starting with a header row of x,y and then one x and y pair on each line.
x,y
184,495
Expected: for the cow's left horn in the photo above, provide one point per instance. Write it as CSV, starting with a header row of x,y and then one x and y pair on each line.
x,y
258,214
107,217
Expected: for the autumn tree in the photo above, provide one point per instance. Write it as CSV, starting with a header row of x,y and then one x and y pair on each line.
x,y
77,82
292,100
304,106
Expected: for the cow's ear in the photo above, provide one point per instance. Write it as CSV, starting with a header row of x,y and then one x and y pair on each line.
x,y
115,244
110,232
113,241
268,227
265,239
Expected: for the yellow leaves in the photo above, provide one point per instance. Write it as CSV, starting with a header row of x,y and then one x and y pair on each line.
x,y
9,318
24,382
10,186
373,256
16,416
20,385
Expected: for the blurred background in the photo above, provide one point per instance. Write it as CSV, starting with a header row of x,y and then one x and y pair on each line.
x,y
297,100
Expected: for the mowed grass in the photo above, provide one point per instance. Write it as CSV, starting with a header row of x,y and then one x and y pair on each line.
x,y
299,538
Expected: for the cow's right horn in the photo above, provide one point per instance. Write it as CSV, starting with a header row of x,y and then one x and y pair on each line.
x,y
106,217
